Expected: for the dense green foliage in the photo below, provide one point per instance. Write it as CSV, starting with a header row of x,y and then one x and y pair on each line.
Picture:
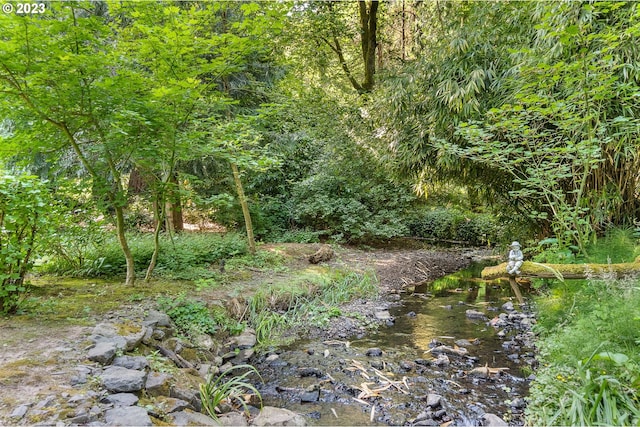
x,y
589,347
24,205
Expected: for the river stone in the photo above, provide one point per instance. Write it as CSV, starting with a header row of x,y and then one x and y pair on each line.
x,y
158,384
493,420
191,418
138,363
374,352
103,352
270,416
508,306
474,314
121,399
433,400
233,419
247,339
118,379
310,372
128,416
382,314
310,396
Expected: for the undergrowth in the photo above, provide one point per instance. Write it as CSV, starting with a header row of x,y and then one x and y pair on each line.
x,y
589,347
312,299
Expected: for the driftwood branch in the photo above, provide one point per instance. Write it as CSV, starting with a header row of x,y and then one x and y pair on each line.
x,y
175,358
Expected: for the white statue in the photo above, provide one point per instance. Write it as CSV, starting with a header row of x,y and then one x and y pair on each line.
x,y
515,259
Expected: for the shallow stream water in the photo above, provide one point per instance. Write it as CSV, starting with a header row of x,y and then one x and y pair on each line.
x,y
410,382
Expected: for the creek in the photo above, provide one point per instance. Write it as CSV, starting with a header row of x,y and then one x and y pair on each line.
x,y
436,361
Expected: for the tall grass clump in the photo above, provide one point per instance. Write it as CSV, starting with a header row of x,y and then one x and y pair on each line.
x,y
311,299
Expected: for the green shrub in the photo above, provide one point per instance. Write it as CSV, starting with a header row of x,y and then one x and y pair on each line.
x,y
453,224
24,205
191,317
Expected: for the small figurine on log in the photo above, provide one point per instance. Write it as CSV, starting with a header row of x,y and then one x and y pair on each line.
x,y
515,259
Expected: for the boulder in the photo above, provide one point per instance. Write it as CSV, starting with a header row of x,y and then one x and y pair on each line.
x,y
158,384
118,379
270,416
103,352
138,363
128,416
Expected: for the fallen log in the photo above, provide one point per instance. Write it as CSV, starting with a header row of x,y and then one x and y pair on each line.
x,y
565,271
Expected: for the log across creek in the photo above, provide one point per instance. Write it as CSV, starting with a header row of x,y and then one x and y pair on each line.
x,y
561,272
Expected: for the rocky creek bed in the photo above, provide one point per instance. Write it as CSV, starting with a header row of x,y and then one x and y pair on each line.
x,y
132,369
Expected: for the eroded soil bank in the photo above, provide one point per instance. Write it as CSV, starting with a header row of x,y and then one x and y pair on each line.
x,y
38,359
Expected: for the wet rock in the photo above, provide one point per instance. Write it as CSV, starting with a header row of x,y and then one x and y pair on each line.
x,y
427,422
270,416
508,306
406,365
461,351
191,418
374,352
118,379
19,412
246,340
310,372
442,360
474,314
518,403
492,420
158,384
138,363
433,400
310,396
121,399
128,416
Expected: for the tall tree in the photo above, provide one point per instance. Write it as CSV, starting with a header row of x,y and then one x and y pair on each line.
x,y
59,81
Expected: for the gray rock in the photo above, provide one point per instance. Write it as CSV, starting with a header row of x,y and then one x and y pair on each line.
x,y
247,339
310,372
138,363
272,357
157,318
203,341
19,412
158,384
121,399
171,404
508,306
128,416
374,352
428,422
310,396
108,332
191,418
474,314
204,370
233,419
117,379
493,420
434,400
270,416
442,360
103,352
382,314
188,395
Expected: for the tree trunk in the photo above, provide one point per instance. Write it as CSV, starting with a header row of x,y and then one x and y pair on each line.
x,y
245,208
369,30
120,228
156,240
565,271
